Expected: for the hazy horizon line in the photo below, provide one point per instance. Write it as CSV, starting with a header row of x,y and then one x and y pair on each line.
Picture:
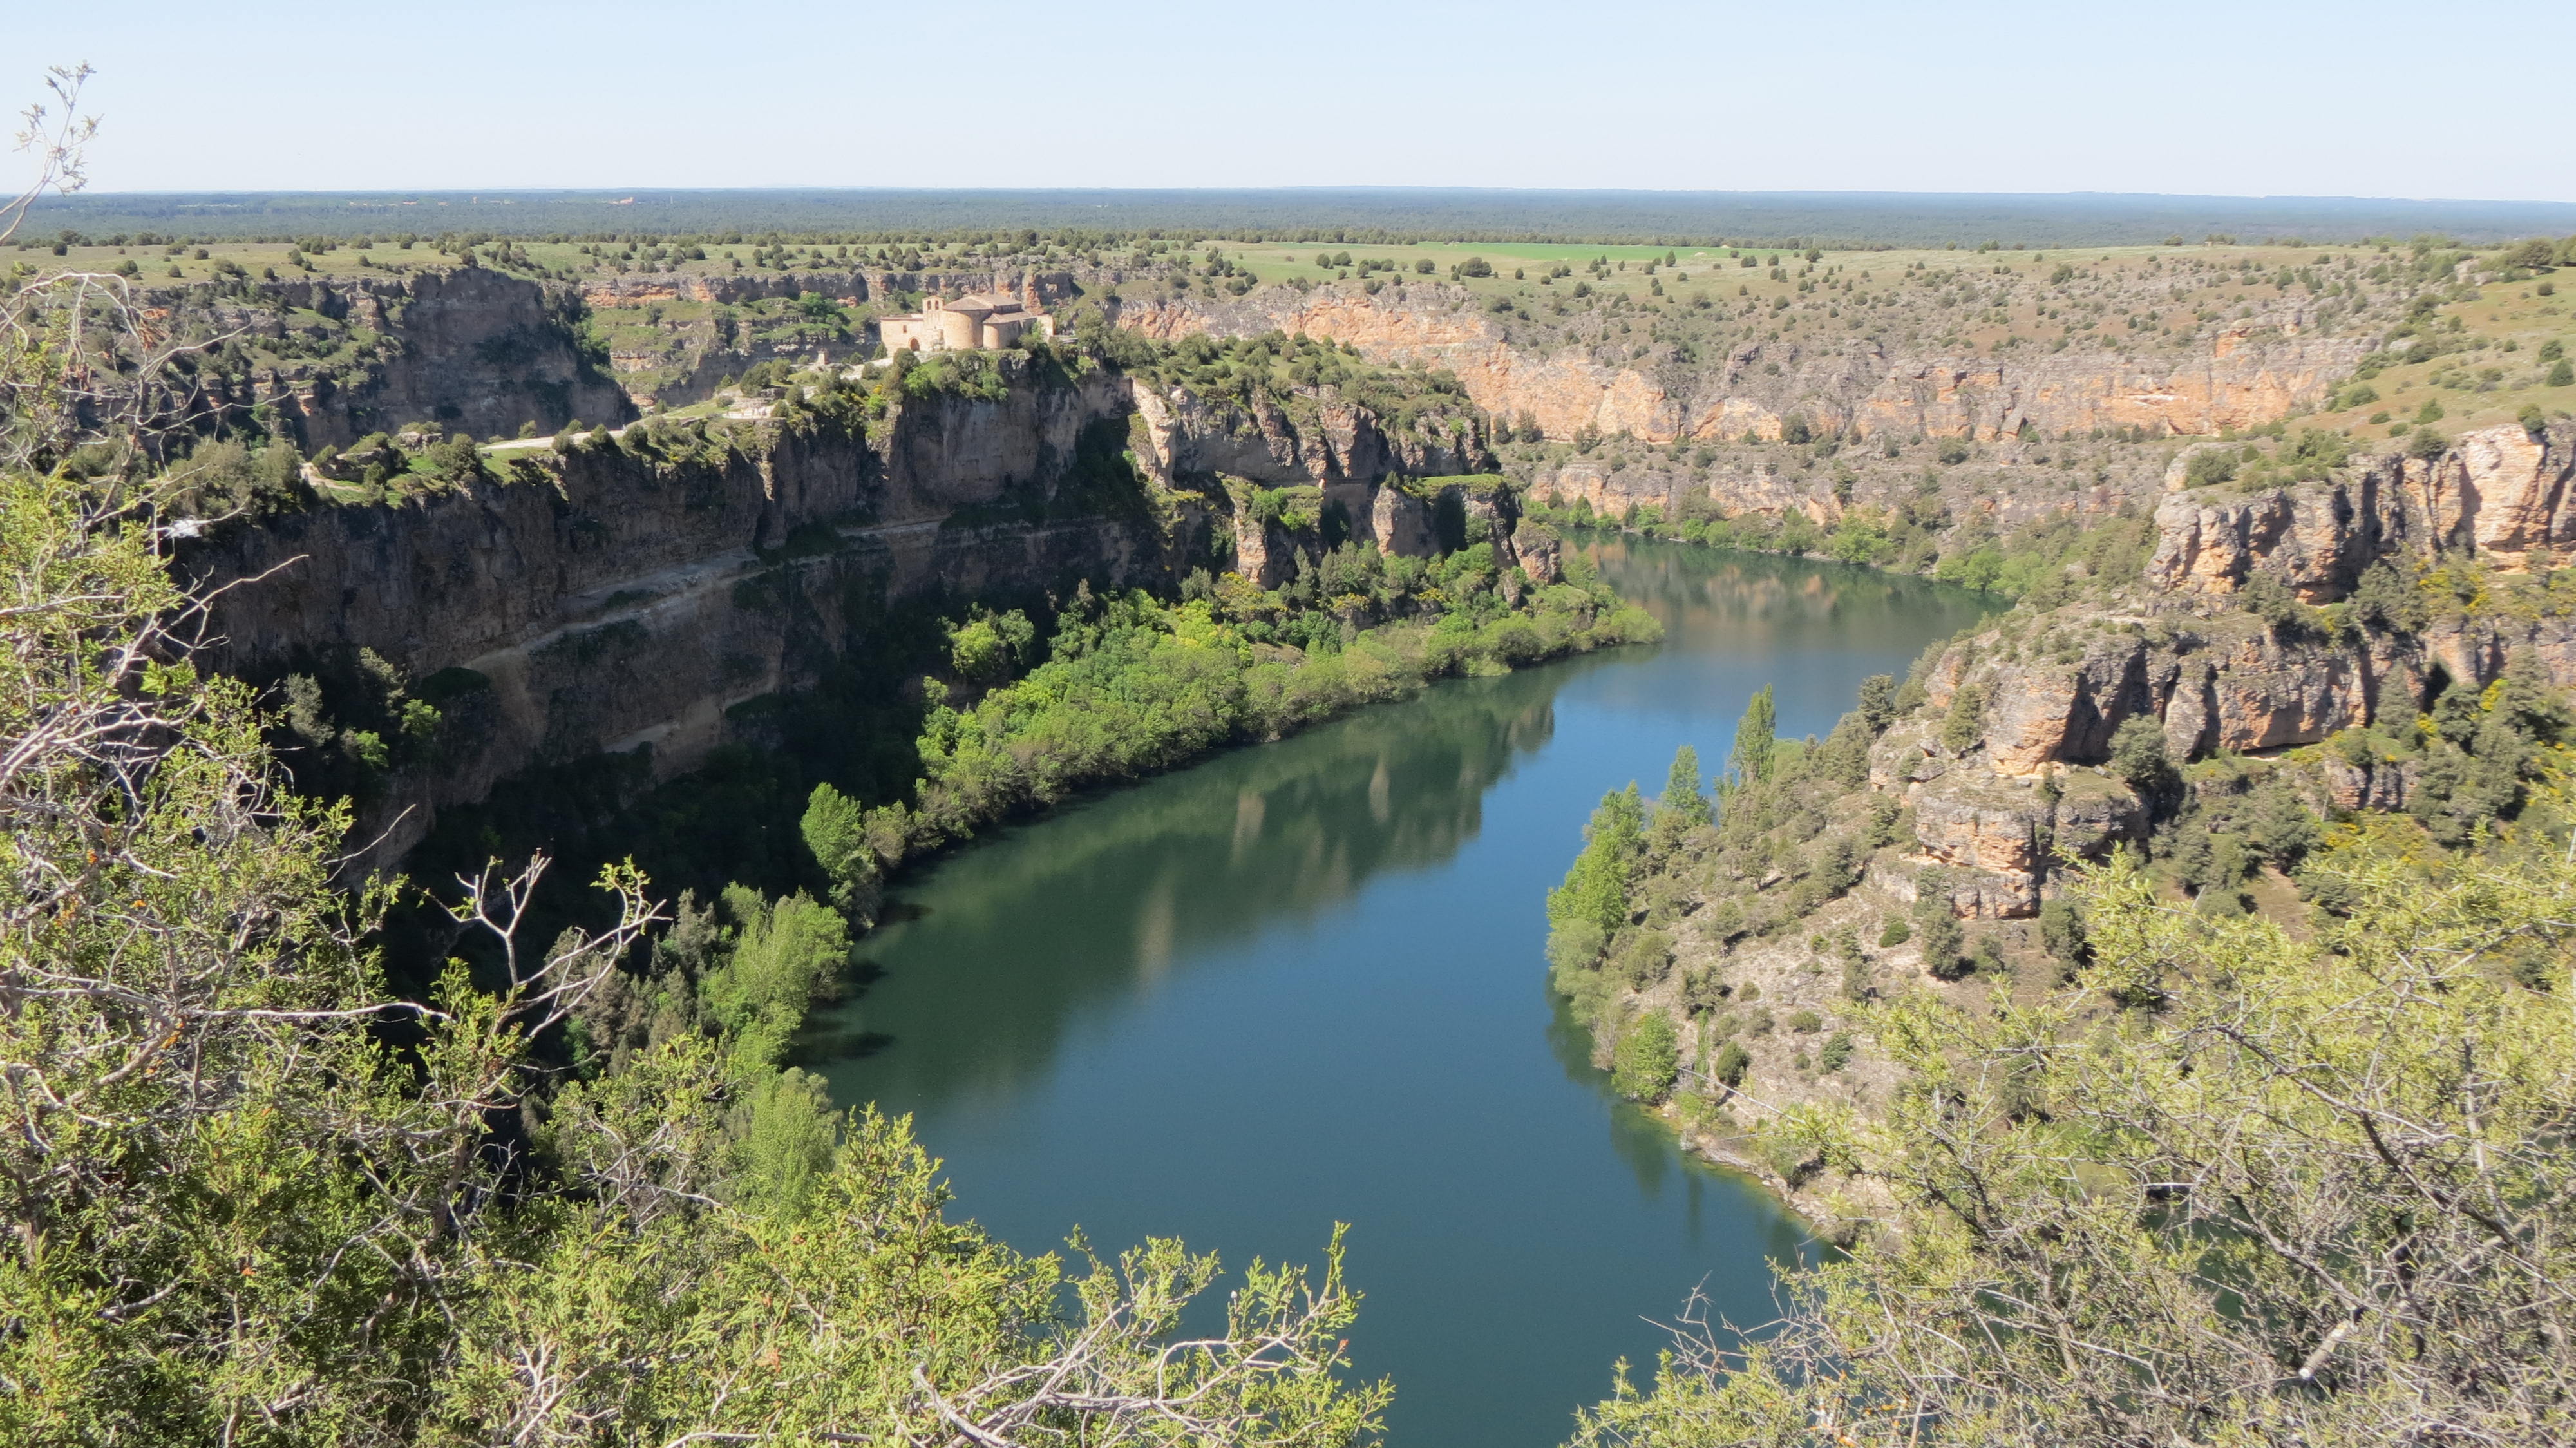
x,y
1311,189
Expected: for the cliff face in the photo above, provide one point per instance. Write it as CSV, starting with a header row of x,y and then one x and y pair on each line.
x,y
2502,495
468,349
2217,677
2238,378
616,594
1708,434
1324,440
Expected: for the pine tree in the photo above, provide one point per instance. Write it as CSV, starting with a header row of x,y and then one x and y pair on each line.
x,y
1756,738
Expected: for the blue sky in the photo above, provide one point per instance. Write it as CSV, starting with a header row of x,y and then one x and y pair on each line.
x,y
2459,99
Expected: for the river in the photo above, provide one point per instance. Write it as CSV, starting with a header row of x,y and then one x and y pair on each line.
x,y
1304,983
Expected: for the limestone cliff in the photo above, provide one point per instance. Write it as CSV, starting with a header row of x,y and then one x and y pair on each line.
x,y
2238,377
627,592
617,592
2505,496
333,359
2051,690
1319,438
2020,434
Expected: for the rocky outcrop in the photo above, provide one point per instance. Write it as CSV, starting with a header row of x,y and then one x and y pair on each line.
x,y
2502,495
2216,677
2317,537
1320,439
2380,784
468,349
1365,476
631,593
1404,517
1998,837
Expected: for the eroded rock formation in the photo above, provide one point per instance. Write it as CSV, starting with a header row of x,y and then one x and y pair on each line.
x,y
619,594
2217,677
2240,378
468,349
2501,495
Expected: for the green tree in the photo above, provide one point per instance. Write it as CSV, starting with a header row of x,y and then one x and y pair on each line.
x,y
1682,788
1878,702
2138,755
1964,725
1647,1059
2061,930
2322,1194
1749,761
835,832
1938,930
1730,1063
1595,891
787,954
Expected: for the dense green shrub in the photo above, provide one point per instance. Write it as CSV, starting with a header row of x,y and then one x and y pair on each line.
x,y
1647,1059
1837,1052
1938,928
1730,1063
1131,685
1595,892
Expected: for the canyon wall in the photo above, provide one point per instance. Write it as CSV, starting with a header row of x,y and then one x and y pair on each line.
x,y
1320,439
623,592
2503,495
612,596
2183,650
468,348
2240,378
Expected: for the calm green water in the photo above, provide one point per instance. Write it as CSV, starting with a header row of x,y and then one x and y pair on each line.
x,y
1304,983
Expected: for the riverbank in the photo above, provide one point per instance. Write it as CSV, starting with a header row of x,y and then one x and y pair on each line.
x,y
1132,685
2225,717
1289,985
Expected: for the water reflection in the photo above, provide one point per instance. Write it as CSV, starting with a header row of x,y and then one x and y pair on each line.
x,y
1305,983
1048,921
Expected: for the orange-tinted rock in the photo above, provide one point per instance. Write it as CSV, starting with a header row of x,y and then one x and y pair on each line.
x,y
2500,494
2503,494
2006,839
1856,385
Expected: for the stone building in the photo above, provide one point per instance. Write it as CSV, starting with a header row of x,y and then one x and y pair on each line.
x,y
975,322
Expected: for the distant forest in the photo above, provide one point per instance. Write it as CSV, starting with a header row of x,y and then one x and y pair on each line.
x,y
1351,215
